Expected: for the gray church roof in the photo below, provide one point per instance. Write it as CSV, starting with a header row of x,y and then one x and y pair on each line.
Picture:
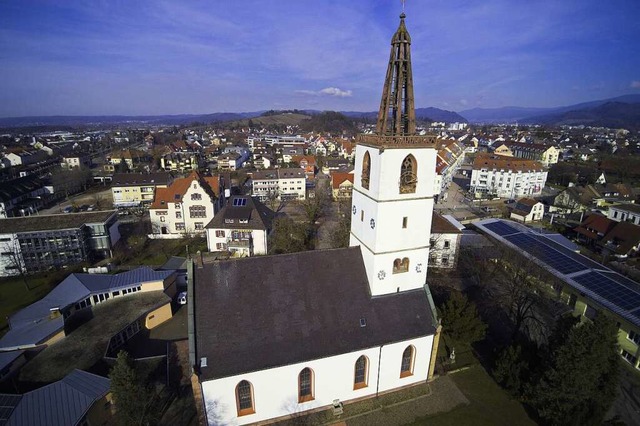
x,y
64,402
34,324
268,311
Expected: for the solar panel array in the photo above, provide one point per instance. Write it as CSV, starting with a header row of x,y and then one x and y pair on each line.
x,y
555,258
612,288
501,228
7,404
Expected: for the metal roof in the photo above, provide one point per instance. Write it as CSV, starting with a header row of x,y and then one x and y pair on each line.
x,y
607,288
34,324
64,402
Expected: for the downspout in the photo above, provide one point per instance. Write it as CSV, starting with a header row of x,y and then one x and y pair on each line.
x,y
378,377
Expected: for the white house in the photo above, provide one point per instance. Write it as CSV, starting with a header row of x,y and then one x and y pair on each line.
x,y
241,227
445,241
527,210
275,336
186,206
625,212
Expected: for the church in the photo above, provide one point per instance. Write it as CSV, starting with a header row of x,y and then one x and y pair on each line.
x,y
275,336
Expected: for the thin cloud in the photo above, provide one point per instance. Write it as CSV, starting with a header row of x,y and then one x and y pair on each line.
x,y
635,84
328,91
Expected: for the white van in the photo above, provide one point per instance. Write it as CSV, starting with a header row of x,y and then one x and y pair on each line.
x,y
182,298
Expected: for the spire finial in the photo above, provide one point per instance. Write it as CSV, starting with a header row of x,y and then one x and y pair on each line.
x,y
402,1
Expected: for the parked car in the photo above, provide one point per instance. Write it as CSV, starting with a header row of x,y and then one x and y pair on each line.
x,y
68,209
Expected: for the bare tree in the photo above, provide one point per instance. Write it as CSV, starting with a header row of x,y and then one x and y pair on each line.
x,y
12,255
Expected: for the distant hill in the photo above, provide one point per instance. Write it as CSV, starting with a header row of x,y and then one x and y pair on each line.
x,y
330,122
284,119
539,115
424,114
72,120
610,114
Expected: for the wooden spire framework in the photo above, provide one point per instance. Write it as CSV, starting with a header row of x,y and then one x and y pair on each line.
x,y
397,115
396,123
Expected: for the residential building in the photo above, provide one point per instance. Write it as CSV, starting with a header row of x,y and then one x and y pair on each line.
x,y
527,210
445,241
186,206
290,319
230,161
76,161
137,189
341,185
79,399
131,157
242,227
179,162
39,243
575,198
545,154
450,158
22,196
25,156
625,213
506,177
281,184
307,163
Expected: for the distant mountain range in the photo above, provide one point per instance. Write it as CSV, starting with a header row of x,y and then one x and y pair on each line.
x,y
621,111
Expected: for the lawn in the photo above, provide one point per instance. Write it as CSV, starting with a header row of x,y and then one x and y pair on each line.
x,y
14,295
488,403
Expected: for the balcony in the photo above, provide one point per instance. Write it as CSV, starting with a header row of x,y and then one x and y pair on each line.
x,y
238,244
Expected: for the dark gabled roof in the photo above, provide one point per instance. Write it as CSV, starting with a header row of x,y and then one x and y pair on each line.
x,y
18,187
64,402
135,179
52,222
256,213
628,207
268,311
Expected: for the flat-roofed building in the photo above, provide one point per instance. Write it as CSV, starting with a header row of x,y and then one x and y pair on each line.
x,y
38,243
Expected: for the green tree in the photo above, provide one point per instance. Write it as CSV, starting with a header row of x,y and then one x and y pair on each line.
x,y
511,369
579,375
288,236
460,319
131,396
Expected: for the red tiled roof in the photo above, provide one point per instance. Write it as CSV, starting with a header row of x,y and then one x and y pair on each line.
x,y
179,187
338,178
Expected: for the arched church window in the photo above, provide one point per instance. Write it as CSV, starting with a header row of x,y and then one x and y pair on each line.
x,y
400,265
406,366
366,170
305,385
244,398
408,175
361,373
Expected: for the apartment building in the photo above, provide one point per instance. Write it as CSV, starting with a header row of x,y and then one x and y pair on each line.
x,y
282,184
506,177
137,189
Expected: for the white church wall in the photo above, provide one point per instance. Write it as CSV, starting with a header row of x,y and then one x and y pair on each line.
x,y
380,272
275,391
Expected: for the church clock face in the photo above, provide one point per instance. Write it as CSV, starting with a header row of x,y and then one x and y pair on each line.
x,y
372,223
354,209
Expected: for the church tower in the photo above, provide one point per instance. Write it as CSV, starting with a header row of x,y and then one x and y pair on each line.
x,y
395,170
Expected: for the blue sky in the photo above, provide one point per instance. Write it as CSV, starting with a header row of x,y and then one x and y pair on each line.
x,y
171,57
